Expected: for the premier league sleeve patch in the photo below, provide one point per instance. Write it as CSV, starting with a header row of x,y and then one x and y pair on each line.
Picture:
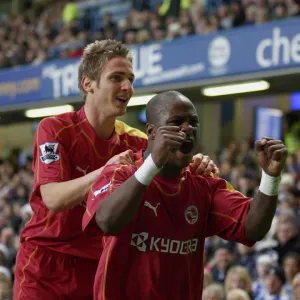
x,y
102,190
49,153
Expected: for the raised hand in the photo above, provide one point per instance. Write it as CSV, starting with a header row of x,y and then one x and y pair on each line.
x,y
203,165
271,155
167,139
126,158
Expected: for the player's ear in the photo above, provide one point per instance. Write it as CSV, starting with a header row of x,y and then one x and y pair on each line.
x,y
150,131
86,84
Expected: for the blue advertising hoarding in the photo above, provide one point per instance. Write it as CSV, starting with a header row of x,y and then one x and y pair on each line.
x,y
268,123
265,47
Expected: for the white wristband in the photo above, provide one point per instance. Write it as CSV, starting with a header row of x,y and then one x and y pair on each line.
x,y
269,185
147,171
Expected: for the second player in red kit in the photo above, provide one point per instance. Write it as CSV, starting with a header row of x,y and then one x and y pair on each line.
x,y
157,214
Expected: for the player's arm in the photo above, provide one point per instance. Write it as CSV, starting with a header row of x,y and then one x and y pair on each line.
x,y
271,155
59,196
233,216
52,169
119,208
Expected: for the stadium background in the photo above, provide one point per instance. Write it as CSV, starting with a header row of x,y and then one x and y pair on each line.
x,y
180,45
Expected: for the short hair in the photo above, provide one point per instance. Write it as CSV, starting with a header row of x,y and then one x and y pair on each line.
x,y
158,105
239,294
216,289
96,55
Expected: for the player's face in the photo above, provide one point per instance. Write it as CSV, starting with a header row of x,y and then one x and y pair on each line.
x,y
115,87
184,115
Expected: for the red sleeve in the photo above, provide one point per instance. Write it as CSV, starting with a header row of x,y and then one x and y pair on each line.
x,y
227,213
109,180
144,144
50,161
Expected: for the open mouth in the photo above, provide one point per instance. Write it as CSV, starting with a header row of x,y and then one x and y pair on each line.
x,y
122,100
186,147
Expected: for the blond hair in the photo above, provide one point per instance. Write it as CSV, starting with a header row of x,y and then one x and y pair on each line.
x,y
207,278
243,273
237,294
95,56
215,289
295,282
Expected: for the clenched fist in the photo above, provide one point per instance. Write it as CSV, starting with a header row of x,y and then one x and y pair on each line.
x,y
271,155
167,139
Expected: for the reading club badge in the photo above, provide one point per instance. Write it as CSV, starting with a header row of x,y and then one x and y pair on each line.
x,y
191,214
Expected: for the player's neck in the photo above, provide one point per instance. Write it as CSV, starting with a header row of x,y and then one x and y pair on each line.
x,y
103,126
166,171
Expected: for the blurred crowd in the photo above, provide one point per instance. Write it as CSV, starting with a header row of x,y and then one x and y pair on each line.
x,y
268,270
61,29
56,29
16,183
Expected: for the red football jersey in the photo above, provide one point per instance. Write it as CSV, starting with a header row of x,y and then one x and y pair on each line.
x,y
66,147
159,254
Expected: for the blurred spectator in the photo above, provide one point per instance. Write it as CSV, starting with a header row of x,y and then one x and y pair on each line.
x,y
15,187
246,156
213,292
40,57
293,198
262,12
238,278
109,24
230,154
293,7
296,287
287,182
224,15
291,266
263,263
248,183
250,15
280,11
207,279
238,12
274,284
237,294
246,258
143,36
288,239
7,240
5,285
222,262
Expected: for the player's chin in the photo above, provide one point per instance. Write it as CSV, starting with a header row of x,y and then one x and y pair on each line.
x,y
120,111
183,159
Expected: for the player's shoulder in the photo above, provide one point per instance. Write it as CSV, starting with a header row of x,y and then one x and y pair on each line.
x,y
122,129
210,180
56,125
60,120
